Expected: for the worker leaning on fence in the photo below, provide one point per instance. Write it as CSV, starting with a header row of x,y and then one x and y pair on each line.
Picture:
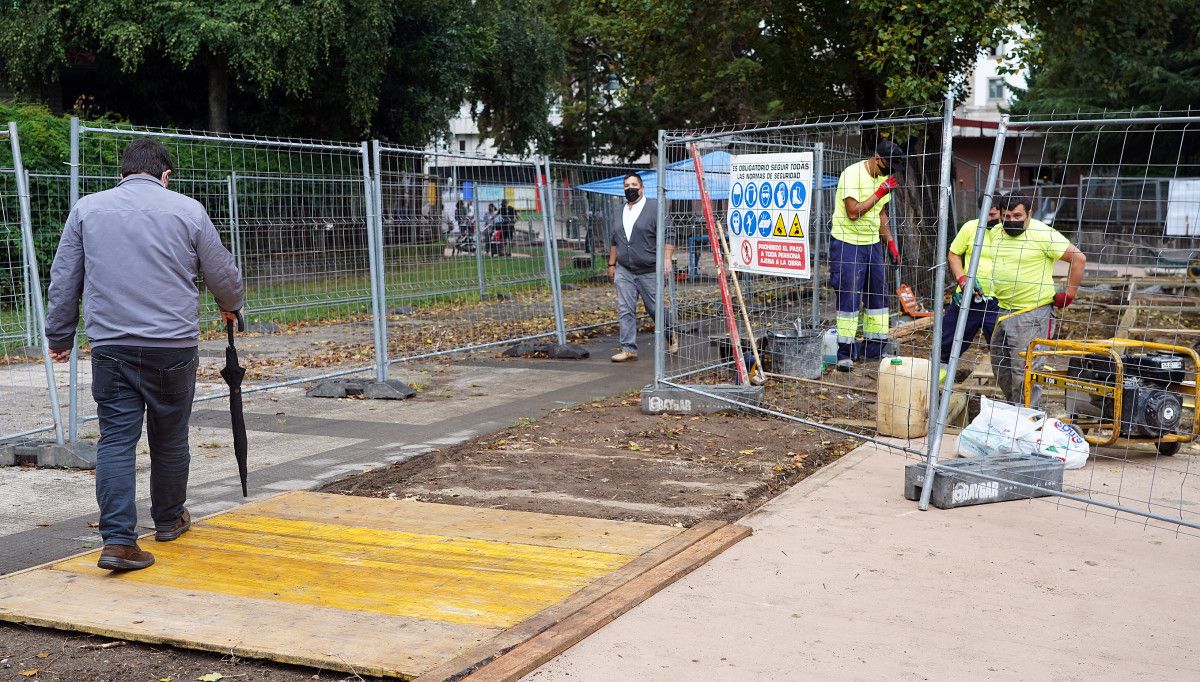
x,y
983,312
860,228
133,253
1017,263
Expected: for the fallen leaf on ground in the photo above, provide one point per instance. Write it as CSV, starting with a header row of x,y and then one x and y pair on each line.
x,y
42,654
32,672
211,677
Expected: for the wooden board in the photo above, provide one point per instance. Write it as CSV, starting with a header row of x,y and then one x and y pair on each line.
x,y
526,657
361,585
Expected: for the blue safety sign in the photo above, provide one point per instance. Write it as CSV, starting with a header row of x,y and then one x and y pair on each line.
x,y
751,195
735,195
735,223
781,195
764,195
798,195
764,222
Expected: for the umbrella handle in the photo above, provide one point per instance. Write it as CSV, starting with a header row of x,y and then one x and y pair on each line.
x,y
241,326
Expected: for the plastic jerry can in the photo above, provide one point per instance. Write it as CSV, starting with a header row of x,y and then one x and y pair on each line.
x,y
902,404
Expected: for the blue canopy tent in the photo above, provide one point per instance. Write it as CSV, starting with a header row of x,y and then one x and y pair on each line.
x,y
681,180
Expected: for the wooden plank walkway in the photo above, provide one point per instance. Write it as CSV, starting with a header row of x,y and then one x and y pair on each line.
x,y
368,586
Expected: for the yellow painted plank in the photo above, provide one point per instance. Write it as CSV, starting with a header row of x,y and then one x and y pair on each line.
x,y
550,530
458,580
366,643
405,547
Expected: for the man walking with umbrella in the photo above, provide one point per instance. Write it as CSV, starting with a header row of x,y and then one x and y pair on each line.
x,y
134,253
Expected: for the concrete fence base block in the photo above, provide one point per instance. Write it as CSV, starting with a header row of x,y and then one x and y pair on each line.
x,y
80,455
669,400
556,351
958,483
371,390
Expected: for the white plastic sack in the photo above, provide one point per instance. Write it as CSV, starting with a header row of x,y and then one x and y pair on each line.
x,y
1061,441
1001,429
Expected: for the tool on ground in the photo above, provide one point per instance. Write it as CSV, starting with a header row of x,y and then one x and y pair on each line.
x,y
1122,391
909,303
720,255
233,373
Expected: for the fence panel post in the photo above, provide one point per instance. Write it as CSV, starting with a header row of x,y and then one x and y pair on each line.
x,y
943,231
235,230
938,428
660,349
34,277
73,371
374,207
551,244
817,193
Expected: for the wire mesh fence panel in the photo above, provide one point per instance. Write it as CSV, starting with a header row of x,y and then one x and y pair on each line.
x,y
795,208
1090,312
29,403
295,216
466,260
588,204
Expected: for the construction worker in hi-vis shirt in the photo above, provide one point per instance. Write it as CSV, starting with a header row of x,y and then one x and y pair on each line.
x,y
857,272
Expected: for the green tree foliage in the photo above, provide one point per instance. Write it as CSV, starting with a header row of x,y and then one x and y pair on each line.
x,y
1107,55
397,69
685,64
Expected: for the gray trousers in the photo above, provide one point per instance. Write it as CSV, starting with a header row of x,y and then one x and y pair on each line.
x,y
629,287
1010,338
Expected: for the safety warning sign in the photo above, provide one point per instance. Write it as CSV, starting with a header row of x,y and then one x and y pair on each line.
x,y
768,218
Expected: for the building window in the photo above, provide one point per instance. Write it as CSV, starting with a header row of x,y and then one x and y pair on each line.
x,y
462,145
996,88
999,49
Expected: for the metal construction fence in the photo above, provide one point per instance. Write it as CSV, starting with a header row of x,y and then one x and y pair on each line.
x,y
355,256
1116,368
361,255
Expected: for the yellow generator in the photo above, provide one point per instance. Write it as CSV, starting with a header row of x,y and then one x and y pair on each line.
x,y
1121,391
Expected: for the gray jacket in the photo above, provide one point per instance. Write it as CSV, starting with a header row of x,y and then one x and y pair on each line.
x,y
134,253
636,254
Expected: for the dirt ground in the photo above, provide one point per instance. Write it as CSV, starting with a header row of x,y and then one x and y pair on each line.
x,y
607,460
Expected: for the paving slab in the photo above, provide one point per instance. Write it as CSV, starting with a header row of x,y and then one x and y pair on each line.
x,y
844,579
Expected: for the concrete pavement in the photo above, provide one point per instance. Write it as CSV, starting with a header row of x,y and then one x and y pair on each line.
x,y
298,442
844,579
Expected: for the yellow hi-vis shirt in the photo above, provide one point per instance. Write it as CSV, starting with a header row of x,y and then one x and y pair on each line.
x,y
856,182
1018,271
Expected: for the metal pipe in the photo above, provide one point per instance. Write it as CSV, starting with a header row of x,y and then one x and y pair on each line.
x,y
35,281
262,142
479,268
939,272
660,240
235,231
375,260
550,241
814,229
939,426
73,367
806,126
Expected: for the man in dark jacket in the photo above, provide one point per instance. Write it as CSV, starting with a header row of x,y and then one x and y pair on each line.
x,y
134,253
631,264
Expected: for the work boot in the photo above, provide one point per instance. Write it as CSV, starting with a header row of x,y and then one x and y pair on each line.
x,y
624,356
181,526
124,558
673,344
845,365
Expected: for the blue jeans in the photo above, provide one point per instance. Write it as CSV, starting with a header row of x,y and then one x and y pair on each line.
x,y
629,287
130,383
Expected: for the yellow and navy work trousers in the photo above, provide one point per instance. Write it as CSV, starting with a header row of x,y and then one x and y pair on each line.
x,y
858,276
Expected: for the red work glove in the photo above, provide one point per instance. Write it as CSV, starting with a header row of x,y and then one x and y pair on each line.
x,y
962,282
888,185
1062,299
894,252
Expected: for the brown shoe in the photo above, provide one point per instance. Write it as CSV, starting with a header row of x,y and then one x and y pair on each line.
x,y
673,344
124,558
624,356
181,526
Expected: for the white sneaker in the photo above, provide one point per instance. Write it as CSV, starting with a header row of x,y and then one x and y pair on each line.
x,y
673,344
624,356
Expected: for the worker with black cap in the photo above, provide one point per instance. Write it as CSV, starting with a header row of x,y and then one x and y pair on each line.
x,y
860,229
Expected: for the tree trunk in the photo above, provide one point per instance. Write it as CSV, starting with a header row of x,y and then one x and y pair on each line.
x,y
218,95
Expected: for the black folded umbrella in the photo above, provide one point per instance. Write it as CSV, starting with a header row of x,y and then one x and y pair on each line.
x,y
233,373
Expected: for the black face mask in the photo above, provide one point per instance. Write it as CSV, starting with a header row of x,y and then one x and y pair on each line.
x,y
632,194
1014,228
993,222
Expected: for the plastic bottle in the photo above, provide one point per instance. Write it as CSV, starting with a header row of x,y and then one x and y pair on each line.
x,y
829,347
